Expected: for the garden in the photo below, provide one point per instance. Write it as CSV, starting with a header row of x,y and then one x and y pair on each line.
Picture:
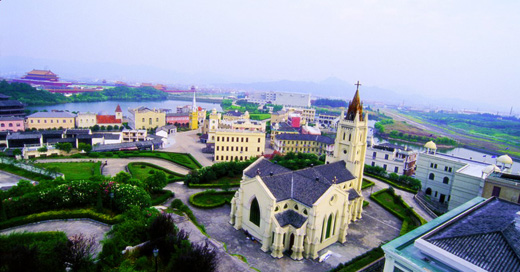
x,y
402,182
74,170
142,170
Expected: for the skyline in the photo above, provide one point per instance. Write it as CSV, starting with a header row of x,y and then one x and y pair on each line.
x,y
463,50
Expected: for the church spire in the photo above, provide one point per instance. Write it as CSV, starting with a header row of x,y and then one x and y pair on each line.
x,y
355,106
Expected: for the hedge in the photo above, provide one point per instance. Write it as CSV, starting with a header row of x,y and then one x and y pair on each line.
x,y
177,204
360,261
391,183
62,214
367,184
166,171
161,199
408,224
209,206
24,173
216,185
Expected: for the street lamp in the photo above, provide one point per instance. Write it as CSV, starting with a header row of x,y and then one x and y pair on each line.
x,y
155,254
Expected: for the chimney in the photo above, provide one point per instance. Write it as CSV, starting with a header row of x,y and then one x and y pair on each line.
x,y
317,179
271,174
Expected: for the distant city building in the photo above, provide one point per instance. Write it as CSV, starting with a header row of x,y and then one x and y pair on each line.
x,y
145,118
279,116
10,108
12,123
44,75
393,158
50,120
479,235
308,115
328,119
303,143
281,128
281,98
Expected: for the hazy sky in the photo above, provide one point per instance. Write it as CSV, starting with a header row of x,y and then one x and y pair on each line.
x,y
461,49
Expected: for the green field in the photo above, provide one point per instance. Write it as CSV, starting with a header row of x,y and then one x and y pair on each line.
x,y
259,116
141,170
74,170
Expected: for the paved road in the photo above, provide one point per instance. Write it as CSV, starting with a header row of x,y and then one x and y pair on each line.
x,y
71,227
407,196
188,142
117,165
7,180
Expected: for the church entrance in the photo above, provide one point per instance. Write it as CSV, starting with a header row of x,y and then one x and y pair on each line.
x,y
291,244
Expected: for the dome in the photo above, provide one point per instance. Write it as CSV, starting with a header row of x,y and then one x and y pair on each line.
x,y
505,159
490,169
430,145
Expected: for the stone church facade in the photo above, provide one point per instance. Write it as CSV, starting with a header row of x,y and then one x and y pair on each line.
x,y
306,210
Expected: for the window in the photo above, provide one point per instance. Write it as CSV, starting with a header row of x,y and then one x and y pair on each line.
x,y
386,156
329,226
254,212
258,149
150,120
384,166
2,125
156,119
435,193
258,139
431,176
218,138
428,191
64,121
445,180
373,164
374,155
10,124
396,169
435,166
247,140
143,120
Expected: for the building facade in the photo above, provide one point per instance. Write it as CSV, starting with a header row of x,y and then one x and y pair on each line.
x,y
238,145
304,143
12,123
502,185
145,118
85,120
393,158
50,120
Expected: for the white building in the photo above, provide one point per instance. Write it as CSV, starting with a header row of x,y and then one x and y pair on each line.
x,y
281,98
393,158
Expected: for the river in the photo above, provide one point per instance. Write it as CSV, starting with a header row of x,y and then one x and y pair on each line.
x,y
456,152
110,106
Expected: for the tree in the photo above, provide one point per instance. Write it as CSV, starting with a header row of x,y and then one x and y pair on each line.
x,y
17,152
122,177
43,149
67,147
85,147
156,181
80,253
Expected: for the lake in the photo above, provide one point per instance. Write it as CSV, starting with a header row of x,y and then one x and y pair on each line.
x,y
110,106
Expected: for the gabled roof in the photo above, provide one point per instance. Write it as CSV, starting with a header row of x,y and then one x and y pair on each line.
x,y
305,185
290,217
107,119
118,108
51,114
488,237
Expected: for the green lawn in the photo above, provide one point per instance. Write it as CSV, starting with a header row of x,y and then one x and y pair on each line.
x,y
212,198
141,170
366,184
388,201
75,170
259,116
23,173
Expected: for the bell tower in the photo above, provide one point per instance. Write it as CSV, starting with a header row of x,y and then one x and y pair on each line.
x,y
194,114
351,138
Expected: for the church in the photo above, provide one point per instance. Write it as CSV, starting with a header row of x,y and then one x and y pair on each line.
x,y
302,212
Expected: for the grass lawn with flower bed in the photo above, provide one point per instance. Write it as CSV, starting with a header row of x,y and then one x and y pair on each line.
x,y
388,201
142,170
74,170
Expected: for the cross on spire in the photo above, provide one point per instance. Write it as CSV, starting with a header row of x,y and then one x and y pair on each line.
x,y
357,84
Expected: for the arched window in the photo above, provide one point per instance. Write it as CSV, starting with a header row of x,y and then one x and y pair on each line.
x,y
428,191
431,176
329,226
445,180
254,212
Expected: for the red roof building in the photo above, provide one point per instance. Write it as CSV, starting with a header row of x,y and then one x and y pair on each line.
x,y
45,75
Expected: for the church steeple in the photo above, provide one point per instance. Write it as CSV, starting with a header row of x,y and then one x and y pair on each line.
x,y
355,106
194,104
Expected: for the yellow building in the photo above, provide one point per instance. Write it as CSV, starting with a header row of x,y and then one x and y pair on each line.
x,y
305,210
281,128
279,116
85,120
50,120
145,118
304,143
232,144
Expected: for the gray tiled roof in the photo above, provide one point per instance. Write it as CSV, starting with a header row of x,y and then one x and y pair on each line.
x,y
61,140
305,137
352,194
290,217
24,136
77,131
10,103
10,118
487,237
233,113
305,185
57,114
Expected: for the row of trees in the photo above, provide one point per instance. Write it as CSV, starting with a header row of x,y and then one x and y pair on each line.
x,y
403,180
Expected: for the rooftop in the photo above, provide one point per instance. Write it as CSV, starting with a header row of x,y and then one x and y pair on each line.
x,y
51,114
305,137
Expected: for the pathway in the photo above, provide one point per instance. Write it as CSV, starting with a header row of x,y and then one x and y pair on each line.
x,y
188,142
115,166
7,180
407,196
89,228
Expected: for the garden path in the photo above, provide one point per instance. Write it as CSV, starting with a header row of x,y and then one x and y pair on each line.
x,y
115,166
7,180
407,197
